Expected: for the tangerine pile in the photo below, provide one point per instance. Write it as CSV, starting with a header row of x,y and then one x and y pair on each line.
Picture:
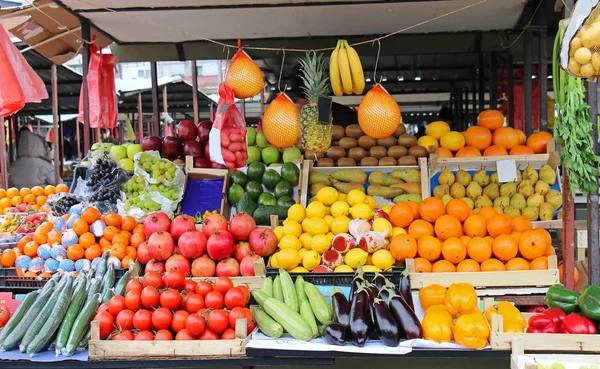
x,y
35,196
452,238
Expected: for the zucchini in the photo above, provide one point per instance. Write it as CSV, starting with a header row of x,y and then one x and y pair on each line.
x,y
77,302
267,286
300,289
291,321
109,279
309,316
277,291
18,314
81,324
122,284
319,306
290,297
266,324
260,297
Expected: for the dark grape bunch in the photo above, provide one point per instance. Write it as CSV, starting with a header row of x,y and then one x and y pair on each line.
x,y
103,171
105,181
64,204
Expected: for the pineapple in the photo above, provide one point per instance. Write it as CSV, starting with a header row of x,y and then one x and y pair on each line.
x,y
314,136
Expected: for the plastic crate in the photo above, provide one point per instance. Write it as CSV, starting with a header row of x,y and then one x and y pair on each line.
x,y
10,281
338,279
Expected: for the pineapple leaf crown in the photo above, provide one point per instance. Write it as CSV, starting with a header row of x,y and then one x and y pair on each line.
x,y
316,83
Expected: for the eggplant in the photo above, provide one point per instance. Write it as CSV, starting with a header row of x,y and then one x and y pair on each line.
x,y
385,324
372,291
359,317
404,288
341,308
359,278
408,322
384,294
334,333
379,281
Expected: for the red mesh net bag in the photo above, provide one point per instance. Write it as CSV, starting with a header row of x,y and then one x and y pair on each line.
x,y
227,138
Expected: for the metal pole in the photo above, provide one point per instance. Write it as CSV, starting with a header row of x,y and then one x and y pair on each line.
x,y
592,199
39,128
54,79
493,81
527,83
543,78
78,138
243,108
3,161
510,90
140,119
165,105
155,113
480,71
195,94
86,36
61,133
474,92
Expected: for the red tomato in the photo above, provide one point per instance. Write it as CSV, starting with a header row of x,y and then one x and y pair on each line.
x,y
144,336
190,285
150,297
203,312
170,299
235,297
183,335
125,319
123,336
222,284
174,278
241,313
246,292
203,288
4,315
209,335
179,320
195,325
229,334
106,322
161,318
163,335
152,279
134,284
184,296
214,300
218,321
103,307
142,320
133,300
193,303
116,304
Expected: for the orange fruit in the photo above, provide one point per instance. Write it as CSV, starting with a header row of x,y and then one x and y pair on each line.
x,y
378,113
118,250
281,122
465,240
401,215
517,264
521,150
87,239
516,236
458,209
403,246
2,193
443,152
475,226
49,190
53,237
138,229
490,119
23,241
24,191
29,198
37,191
532,245
467,152
131,252
550,250
104,242
468,265
454,250
431,209
487,212
31,249
520,223
128,223
448,226
41,200
75,252
492,265
539,141
80,226
93,252
495,150
489,239
443,266
415,208
499,224
5,202
505,137
16,201
545,235
522,136
7,259
126,262
40,237
12,192
45,227
575,274
420,228
90,215
479,249
112,219
505,247
422,265
62,188
478,137
540,263
429,247
110,232
137,239
121,238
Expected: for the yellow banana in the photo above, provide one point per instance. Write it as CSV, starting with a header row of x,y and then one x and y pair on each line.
x,y
345,70
358,77
334,72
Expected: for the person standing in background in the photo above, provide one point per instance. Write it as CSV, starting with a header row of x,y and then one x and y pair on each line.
x,y
33,166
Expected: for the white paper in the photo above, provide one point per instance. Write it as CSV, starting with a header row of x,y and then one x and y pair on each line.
x,y
214,146
507,170
570,361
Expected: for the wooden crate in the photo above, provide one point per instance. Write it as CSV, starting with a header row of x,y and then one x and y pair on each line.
x,y
206,173
135,350
520,360
507,279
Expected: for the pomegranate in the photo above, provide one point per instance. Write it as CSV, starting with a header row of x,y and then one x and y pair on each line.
x,y
322,269
204,130
263,242
160,245
203,266
192,244
343,242
158,221
247,264
151,143
178,262
372,241
332,258
378,213
143,255
241,249
186,130
228,268
180,225
241,225
214,222
155,266
220,245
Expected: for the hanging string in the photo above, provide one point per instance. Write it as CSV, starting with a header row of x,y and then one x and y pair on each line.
x,y
227,61
377,62
281,72
526,27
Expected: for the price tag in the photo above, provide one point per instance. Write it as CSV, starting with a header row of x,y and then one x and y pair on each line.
x,y
507,170
324,108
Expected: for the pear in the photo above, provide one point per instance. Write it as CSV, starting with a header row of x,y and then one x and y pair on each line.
x,y
541,187
519,177
474,190
557,366
446,198
481,177
518,201
446,177
525,189
531,213
502,201
492,191
483,201
407,175
457,190
546,211
511,211
530,173
469,202
535,200
499,209
494,178
554,198
441,190
508,189
463,177
547,174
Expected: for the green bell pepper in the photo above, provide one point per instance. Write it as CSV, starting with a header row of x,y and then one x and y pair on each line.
x,y
589,302
558,296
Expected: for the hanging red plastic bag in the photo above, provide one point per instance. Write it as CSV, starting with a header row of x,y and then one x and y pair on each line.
x,y
102,94
580,48
19,84
227,138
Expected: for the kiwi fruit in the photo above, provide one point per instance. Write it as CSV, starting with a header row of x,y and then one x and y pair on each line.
x,y
386,142
378,152
326,162
407,140
346,162
397,151
335,152
366,142
400,130
311,155
407,160
337,132
387,162
369,162
348,142
357,153
418,152
335,143
354,131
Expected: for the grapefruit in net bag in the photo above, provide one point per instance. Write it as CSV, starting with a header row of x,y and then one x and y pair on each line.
x,y
281,122
244,76
378,113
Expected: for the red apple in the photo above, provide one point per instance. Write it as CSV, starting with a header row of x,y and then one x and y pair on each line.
x,y
192,148
206,151
200,162
151,143
172,146
203,130
186,130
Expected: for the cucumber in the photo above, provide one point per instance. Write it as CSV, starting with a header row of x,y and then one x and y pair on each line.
x,y
13,338
309,316
102,265
266,324
95,286
107,295
55,278
108,281
18,314
267,286
300,289
277,290
77,302
263,213
81,324
291,321
122,283
84,341
290,297
319,306
260,297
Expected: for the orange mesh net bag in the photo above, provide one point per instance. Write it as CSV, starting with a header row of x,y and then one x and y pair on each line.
x,y
244,76
281,122
378,113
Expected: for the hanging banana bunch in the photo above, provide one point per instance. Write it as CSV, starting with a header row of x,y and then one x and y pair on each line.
x,y
345,70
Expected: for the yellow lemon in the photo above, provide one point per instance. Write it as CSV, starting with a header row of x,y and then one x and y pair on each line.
x,y
355,256
316,226
371,269
363,211
356,197
328,218
371,202
340,225
328,210
343,269
383,259
297,213
292,228
320,243
342,196
427,141
382,225
305,239
437,129
398,230
299,270
311,259
301,252
331,236
327,195
278,232
369,260
453,141
273,261
315,209
288,259
386,208
289,242
340,208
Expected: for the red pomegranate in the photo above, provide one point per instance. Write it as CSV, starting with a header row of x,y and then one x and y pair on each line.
x,y
332,259
214,222
154,222
263,242
155,266
143,255
187,130
192,244
241,225
203,266
220,245
179,262
160,245
322,269
343,242
228,268
247,264
241,249
180,225
378,213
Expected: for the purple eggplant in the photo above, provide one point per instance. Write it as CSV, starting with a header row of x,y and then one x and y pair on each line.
x,y
341,308
359,317
404,288
379,281
359,278
384,294
334,333
408,322
385,324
